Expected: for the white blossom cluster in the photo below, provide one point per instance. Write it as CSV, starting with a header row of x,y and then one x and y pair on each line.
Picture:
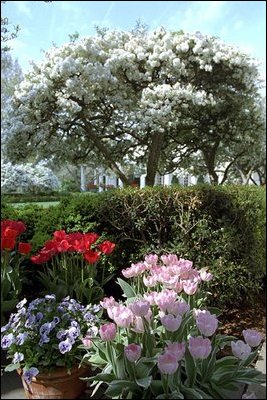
x,y
147,82
25,178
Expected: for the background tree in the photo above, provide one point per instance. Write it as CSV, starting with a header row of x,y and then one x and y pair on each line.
x,y
136,96
11,75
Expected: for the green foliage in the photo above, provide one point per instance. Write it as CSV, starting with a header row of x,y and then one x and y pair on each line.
x,y
218,227
32,198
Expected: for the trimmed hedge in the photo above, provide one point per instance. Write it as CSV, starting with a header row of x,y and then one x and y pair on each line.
x,y
219,227
32,198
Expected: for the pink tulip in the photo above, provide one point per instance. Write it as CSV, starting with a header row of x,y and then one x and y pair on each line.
x,y
108,331
252,337
206,323
123,316
240,349
87,342
199,347
189,287
132,352
165,299
169,259
139,307
151,259
205,276
108,302
167,363
138,325
178,307
150,296
176,349
170,322
150,281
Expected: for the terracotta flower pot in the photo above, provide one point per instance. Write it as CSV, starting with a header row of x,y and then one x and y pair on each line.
x,y
57,384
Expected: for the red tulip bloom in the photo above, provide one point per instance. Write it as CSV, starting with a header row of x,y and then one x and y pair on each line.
x,y
18,226
7,243
91,256
10,233
40,258
60,235
24,248
90,238
106,247
63,246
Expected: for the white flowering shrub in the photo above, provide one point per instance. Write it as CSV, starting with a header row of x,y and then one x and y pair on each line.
x,y
25,178
119,91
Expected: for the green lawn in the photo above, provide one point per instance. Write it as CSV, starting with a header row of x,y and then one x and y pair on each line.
x,y
38,203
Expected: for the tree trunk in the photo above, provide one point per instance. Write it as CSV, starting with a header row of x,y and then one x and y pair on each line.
x,y
209,158
106,153
154,157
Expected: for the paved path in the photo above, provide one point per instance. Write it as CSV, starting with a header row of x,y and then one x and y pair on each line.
x,y
260,390
11,386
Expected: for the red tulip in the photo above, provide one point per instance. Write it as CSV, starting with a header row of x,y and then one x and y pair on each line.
x,y
106,247
7,243
24,248
91,256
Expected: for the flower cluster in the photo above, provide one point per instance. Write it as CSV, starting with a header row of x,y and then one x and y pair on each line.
x,y
13,252
169,272
72,269
46,334
27,178
160,343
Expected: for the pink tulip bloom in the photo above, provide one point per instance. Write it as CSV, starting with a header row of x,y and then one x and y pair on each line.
x,y
178,287
139,307
123,316
189,287
165,298
205,276
128,273
151,259
167,363
87,342
108,302
138,325
108,331
199,347
240,349
169,259
150,281
206,323
132,352
252,337
178,307
176,349
171,323
150,296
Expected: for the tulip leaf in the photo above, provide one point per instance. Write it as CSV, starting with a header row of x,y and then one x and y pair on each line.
x,y
144,382
127,289
116,387
190,368
191,393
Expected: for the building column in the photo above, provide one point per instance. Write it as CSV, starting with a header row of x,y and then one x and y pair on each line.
x,y
83,181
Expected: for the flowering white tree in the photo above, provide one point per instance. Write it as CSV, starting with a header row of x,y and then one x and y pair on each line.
x,y
27,178
133,96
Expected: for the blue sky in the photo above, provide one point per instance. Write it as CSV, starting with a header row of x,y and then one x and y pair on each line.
x,y
239,23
